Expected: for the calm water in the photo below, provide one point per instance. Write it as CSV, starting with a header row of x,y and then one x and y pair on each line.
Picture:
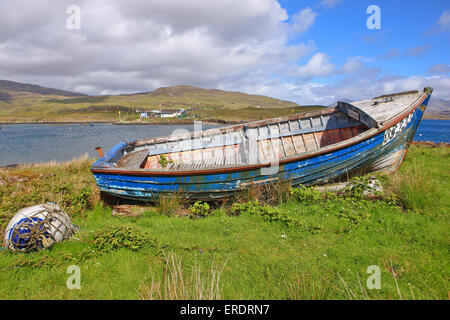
x,y
433,130
23,143
41,143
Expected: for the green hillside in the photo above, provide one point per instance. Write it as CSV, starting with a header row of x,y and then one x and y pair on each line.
x,y
27,103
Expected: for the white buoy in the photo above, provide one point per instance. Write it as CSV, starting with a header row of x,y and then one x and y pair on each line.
x,y
37,227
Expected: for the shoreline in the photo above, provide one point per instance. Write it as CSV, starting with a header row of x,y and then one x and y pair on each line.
x,y
435,118
129,123
167,122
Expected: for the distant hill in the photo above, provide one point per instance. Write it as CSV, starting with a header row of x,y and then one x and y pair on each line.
x,y
9,88
438,105
26,102
438,109
189,95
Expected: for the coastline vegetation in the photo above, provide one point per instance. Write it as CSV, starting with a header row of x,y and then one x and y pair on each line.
x,y
270,242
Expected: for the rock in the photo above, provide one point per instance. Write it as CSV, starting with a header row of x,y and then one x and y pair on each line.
x,y
374,188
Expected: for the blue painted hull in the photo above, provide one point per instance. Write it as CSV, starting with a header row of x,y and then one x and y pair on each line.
x,y
383,151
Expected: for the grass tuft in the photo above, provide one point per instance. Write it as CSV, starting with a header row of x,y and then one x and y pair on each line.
x,y
308,286
172,205
174,284
414,188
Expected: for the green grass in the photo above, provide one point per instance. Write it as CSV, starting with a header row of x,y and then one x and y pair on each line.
x,y
325,256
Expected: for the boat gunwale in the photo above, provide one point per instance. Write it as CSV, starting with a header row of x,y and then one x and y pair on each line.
x,y
371,132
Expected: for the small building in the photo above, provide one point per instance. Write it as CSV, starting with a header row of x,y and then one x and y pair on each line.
x,y
170,113
143,114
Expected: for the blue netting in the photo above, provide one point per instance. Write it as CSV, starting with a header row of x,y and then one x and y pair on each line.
x,y
23,237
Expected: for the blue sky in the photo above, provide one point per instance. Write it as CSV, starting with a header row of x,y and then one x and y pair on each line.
x,y
341,32
414,36
310,52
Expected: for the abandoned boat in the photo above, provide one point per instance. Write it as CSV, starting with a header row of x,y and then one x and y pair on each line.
x,y
306,149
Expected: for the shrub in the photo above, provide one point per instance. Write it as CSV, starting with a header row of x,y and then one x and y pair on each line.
x,y
268,213
361,187
252,207
306,194
199,208
131,238
163,161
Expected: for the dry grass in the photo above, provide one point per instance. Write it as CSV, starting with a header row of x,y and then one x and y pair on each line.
x,y
80,164
173,204
70,184
413,188
275,193
308,287
361,293
175,285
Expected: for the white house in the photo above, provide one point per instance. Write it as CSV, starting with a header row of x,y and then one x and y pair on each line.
x,y
170,113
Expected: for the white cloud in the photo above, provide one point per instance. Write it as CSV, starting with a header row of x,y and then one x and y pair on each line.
x,y
138,46
444,20
439,68
303,20
415,52
317,66
365,88
352,65
329,3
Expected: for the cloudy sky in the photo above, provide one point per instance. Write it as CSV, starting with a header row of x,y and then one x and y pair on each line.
x,y
310,52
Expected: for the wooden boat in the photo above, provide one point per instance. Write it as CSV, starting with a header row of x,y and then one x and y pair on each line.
x,y
307,149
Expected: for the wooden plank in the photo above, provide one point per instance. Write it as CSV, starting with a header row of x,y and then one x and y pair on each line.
x,y
239,153
152,163
277,148
266,145
355,131
207,154
315,139
328,137
133,160
310,141
229,155
262,155
284,127
346,133
299,143
316,122
252,146
288,146
197,155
